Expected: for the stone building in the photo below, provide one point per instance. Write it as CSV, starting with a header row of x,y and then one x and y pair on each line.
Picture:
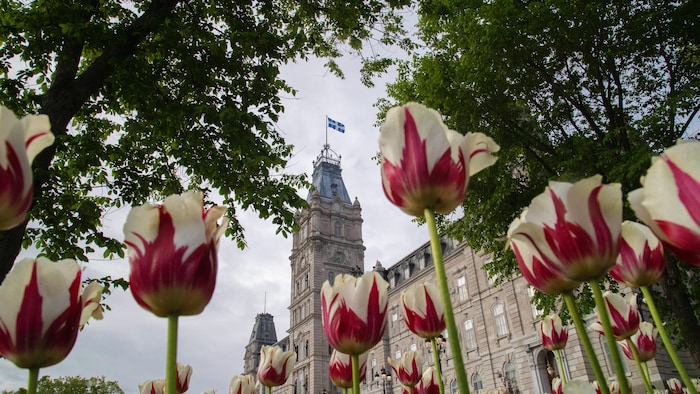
x,y
496,323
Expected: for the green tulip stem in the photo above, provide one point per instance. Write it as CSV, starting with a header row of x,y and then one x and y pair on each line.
x,y
561,367
171,356
410,389
438,366
345,390
586,342
355,361
604,317
687,382
452,334
33,380
269,389
645,377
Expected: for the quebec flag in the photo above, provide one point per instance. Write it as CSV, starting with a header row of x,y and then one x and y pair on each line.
x,y
336,125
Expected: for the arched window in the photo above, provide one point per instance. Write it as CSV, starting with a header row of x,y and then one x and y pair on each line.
x,y
338,228
510,377
499,317
453,387
469,334
477,383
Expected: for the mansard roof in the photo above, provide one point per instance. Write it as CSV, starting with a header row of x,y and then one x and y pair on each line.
x,y
327,178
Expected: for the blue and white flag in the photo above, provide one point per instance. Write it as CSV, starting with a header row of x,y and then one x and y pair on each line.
x,y
336,125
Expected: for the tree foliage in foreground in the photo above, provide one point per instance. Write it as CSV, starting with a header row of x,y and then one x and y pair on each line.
x,y
73,385
153,97
568,89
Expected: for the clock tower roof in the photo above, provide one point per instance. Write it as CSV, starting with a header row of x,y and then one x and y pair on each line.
x,y
327,178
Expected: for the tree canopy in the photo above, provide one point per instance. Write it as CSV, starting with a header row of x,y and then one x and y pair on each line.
x,y
153,97
72,385
568,89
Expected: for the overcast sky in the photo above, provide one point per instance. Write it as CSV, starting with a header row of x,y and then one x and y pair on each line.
x,y
128,345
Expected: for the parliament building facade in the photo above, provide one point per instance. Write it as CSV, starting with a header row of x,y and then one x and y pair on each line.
x,y
499,341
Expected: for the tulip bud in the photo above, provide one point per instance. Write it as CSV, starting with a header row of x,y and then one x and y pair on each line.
x,y
275,366
424,164
172,254
569,234
641,261
20,141
340,368
553,333
668,203
41,311
409,368
354,312
624,316
644,340
242,384
422,310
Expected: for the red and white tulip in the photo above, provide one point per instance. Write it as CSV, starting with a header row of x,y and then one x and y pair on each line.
x,y
624,316
20,141
641,260
184,372
42,310
152,387
674,386
644,340
242,384
173,254
429,382
553,333
425,165
340,368
275,366
557,386
409,369
422,310
568,234
668,201
354,312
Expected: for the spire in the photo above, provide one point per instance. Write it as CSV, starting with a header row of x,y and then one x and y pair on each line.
x,y
327,179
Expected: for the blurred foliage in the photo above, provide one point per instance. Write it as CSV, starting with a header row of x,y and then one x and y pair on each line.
x,y
73,385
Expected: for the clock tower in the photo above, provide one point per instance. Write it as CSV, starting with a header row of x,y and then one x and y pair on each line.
x,y
328,243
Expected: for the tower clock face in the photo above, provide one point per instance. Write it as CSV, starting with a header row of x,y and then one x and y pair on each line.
x,y
339,257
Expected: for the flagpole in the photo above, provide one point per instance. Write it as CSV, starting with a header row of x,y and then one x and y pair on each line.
x,y
326,144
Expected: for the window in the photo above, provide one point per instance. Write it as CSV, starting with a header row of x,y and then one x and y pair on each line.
x,y
306,348
536,312
407,271
398,355
462,288
511,378
608,356
469,334
477,383
331,277
394,317
413,347
500,318
453,387
338,228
